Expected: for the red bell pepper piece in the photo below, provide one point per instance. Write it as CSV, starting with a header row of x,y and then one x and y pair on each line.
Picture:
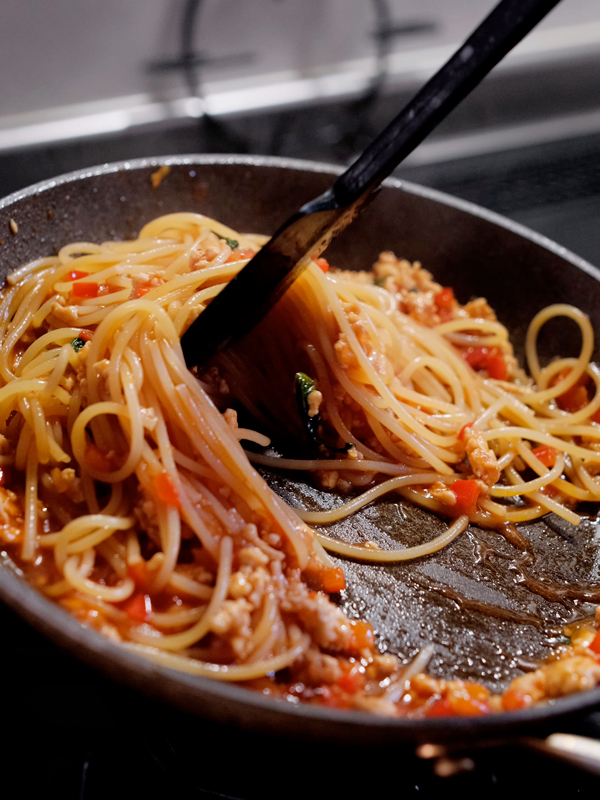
x,y
98,459
362,635
322,263
352,681
333,579
166,491
85,289
444,299
138,607
545,454
595,644
488,358
463,430
466,493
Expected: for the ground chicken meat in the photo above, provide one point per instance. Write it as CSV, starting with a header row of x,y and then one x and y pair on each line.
x,y
321,668
234,622
327,478
378,706
209,249
230,417
234,615
558,679
252,557
320,617
426,686
414,288
67,315
315,398
571,675
345,353
403,275
420,307
442,493
145,513
239,586
11,517
483,461
480,309
67,482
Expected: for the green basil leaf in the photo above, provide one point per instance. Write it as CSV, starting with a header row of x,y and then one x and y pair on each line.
x,y
233,243
304,386
77,344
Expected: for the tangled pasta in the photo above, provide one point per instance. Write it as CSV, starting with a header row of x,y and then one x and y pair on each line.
x,y
128,499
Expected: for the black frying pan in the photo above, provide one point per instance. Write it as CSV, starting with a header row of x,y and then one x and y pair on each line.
x,y
467,599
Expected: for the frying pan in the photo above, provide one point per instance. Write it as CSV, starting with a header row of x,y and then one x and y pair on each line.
x,y
469,599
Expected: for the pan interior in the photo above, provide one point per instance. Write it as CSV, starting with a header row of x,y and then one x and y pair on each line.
x,y
470,600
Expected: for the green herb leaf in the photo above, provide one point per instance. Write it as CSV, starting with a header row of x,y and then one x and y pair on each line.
x,y
77,344
304,386
233,243
379,282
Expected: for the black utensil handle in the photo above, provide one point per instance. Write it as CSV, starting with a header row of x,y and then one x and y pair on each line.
x,y
500,31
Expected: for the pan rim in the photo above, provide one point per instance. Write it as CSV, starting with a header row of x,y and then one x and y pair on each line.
x,y
130,668
307,166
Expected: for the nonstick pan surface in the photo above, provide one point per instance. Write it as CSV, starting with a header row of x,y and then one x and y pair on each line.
x,y
468,599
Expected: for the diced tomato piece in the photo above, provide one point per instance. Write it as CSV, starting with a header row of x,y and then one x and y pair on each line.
x,y
574,399
545,454
463,430
138,573
362,635
322,263
352,681
470,700
469,707
488,358
85,289
333,579
98,459
166,491
440,708
140,291
476,356
496,366
331,697
444,299
514,700
240,255
75,275
595,644
138,607
329,579
466,493
85,335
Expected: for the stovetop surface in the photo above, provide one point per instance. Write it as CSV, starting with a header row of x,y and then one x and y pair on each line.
x,y
71,733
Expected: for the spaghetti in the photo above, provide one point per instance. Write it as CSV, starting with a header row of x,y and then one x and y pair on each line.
x,y
127,496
